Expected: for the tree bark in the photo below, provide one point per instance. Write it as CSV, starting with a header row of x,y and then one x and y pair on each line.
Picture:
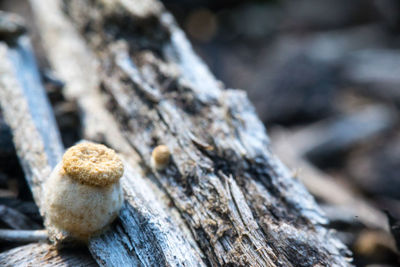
x,y
225,199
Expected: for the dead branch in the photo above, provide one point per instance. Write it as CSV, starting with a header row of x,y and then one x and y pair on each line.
x,y
23,236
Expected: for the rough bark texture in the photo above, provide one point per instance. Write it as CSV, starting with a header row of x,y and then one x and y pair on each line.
x,y
225,199
36,138
241,205
144,234
45,255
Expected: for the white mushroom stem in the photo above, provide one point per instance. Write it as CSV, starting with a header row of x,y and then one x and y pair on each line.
x,y
83,194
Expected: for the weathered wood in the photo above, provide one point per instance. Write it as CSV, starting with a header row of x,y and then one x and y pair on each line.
x,y
241,204
41,254
23,236
230,228
27,208
144,234
28,113
238,201
168,239
159,236
16,220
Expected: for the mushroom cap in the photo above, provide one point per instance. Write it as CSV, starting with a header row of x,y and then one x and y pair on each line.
x,y
161,155
92,164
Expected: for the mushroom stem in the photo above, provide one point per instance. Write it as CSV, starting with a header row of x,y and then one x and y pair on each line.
x,y
83,194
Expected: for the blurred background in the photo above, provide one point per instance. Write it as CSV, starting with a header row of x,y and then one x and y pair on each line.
x,y
324,76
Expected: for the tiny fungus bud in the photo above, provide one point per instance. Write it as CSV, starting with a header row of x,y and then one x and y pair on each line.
x,y
83,193
160,157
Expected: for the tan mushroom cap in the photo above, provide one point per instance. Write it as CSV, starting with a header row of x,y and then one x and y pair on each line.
x,y
161,155
92,164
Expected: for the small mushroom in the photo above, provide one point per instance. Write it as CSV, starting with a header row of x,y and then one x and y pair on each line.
x,y
160,157
83,194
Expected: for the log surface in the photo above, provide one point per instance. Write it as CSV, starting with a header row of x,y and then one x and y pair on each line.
x,y
144,235
224,199
242,206
42,254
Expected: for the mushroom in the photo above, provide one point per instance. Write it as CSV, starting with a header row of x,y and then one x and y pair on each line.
x,y
160,157
83,194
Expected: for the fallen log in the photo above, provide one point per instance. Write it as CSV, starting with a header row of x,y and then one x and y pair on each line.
x,y
159,243
225,199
